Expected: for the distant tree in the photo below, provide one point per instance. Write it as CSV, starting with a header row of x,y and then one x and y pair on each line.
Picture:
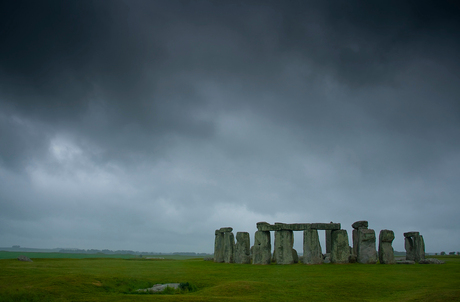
x,y
443,253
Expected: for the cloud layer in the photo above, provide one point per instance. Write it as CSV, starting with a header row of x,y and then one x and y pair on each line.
x,y
147,125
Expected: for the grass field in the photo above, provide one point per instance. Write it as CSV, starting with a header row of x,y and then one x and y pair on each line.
x,y
108,279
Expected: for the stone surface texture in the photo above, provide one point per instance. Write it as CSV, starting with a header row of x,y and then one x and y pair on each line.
x,y
340,250
328,241
229,245
367,253
415,246
261,253
242,248
24,258
278,226
386,252
295,256
431,261
160,287
362,224
284,242
405,262
219,247
311,247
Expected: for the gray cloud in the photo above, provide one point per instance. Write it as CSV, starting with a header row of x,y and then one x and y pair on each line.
x,y
147,125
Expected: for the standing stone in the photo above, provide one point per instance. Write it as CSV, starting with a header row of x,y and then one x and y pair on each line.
x,y
328,241
362,224
415,246
339,246
311,247
262,248
242,248
219,247
284,240
295,256
229,244
367,253
386,252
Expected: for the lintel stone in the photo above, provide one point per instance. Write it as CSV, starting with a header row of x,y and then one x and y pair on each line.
x,y
264,226
411,234
225,230
362,224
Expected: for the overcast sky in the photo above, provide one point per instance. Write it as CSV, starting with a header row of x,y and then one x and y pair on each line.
x,y
146,125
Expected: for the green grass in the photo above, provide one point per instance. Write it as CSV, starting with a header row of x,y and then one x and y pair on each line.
x,y
107,279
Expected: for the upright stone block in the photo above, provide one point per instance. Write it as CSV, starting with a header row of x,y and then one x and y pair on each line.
x,y
415,246
295,256
242,248
261,252
367,253
229,244
386,252
311,247
362,224
340,250
219,247
328,241
284,240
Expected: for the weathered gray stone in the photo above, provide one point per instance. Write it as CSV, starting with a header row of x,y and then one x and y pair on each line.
x,y
262,248
352,258
225,230
229,245
355,241
362,224
415,246
367,254
386,252
219,247
160,287
284,242
327,258
295,256
278,226
24,258
405,262
242,248
431,261
328,241
340,251
311,247
411,234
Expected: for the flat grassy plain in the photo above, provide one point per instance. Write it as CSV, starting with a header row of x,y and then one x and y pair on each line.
x,y
110,279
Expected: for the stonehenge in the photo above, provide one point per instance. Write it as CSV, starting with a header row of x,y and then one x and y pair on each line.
x,y
284,243
242,248
367,254
262,248
340,251
364,251
415,246
386,252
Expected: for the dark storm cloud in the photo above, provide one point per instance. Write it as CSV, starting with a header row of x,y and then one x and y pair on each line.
x,y
247,107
